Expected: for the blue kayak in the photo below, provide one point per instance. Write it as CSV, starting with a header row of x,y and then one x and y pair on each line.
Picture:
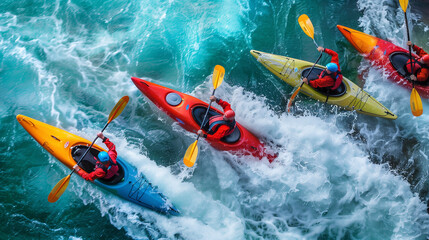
x,y
68,149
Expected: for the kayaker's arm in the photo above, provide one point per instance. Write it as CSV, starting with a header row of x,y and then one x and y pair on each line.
x,y
112,149
423,75
419,51
224,104
97,173
334,56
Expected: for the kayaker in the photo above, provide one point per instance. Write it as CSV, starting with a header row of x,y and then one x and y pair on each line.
x,y
331,77
420,71
220,125
106,166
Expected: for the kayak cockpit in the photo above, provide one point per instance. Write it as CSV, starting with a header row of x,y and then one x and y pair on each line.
x,y
341,90
89,161
198,115
399,60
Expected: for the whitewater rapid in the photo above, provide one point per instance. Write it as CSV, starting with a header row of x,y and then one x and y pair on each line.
x,y
339,175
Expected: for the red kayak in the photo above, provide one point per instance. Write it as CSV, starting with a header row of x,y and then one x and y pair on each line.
x,y
387,55
189,112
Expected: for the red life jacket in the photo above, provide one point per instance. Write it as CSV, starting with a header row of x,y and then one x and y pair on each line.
x,y
337,76
416,66
110,171
216,121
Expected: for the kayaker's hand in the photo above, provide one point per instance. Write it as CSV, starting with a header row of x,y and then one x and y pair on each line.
x,y
320,49
409,43
213,98
100,135
76,168
305,80
201,134
413,77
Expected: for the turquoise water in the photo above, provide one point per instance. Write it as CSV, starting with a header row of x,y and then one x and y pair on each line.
x,y
339,175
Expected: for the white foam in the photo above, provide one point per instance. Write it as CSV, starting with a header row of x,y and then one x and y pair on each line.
x,y
321,177
404,141
322,182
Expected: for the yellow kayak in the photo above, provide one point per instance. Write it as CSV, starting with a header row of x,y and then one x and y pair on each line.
x,y
348,96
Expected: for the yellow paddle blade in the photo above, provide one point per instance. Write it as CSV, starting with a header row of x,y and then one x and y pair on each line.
x,y
218,74
416,103
191,154
404,4
306,25
59,189
292,98
118,108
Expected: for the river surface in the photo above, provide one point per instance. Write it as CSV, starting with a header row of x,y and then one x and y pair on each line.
x,y
339,175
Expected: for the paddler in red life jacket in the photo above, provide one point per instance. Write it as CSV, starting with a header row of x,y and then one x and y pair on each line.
x,y
420,69
331,77
220,125
106,166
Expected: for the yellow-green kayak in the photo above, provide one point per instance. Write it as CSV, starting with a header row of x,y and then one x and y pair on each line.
x,y
348,96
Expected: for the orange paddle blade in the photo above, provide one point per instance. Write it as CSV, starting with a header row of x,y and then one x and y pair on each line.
x,y
59,189
191,154
306,25
404,4
416,103
218,74
292,98
116,111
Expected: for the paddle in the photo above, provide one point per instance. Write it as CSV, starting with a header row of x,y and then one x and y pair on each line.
x,y
192,151
306,25
302,83
61,186
415,100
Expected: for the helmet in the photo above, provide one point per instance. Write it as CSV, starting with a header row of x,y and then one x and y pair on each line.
x,y
103,157
416,66
425,59
229,114
332,67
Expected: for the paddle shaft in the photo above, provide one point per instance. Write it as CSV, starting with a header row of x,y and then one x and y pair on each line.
x,y
327,97
315,43
87,150
409,47
207,111
302,82
311,69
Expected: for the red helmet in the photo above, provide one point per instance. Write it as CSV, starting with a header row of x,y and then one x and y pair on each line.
x,y
425,59
229,114
416,66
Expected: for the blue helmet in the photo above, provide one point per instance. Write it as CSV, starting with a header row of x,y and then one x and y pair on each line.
x,y
332,67
103,157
